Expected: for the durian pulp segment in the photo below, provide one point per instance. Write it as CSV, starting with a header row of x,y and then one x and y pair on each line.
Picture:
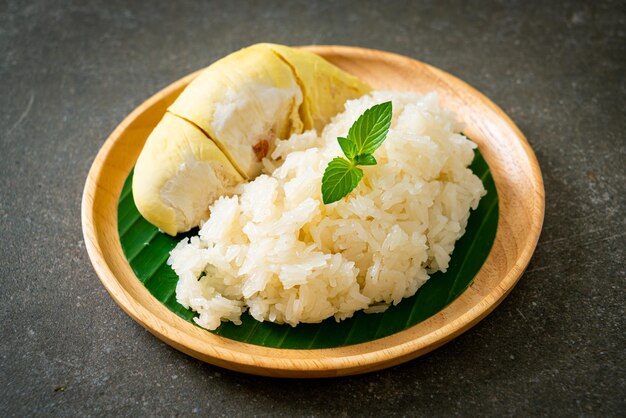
x,y
179,173
325,87
216,133
244,102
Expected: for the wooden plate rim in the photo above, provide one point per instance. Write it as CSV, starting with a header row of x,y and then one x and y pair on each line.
x,y
104,248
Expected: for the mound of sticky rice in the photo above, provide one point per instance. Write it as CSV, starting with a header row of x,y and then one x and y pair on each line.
x,y
276,250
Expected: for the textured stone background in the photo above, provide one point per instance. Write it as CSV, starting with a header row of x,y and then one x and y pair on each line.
x,y
70,72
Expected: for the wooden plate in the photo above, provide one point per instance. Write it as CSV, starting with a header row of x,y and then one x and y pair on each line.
x,y
521,204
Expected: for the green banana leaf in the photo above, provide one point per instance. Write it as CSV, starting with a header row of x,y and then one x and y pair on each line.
x,y
147,250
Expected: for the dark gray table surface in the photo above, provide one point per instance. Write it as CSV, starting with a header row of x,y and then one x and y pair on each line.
x,y
71,71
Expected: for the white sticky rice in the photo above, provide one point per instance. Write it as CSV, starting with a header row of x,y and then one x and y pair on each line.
x,y
275,249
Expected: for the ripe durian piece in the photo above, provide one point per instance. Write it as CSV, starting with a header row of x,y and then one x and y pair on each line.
x,y
324,86
226,121
244,102
179,173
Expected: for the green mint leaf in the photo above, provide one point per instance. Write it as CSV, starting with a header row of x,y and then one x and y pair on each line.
x,y
367,159
364,137
370,129
340,178
348,147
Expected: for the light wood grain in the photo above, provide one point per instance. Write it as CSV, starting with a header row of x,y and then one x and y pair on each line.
x,y
521,203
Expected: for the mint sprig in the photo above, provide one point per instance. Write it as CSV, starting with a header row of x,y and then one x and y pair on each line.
x,y
364,137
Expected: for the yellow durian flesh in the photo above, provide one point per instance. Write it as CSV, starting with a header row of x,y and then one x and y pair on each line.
x,y
179,173
215,133
242,100
325,87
